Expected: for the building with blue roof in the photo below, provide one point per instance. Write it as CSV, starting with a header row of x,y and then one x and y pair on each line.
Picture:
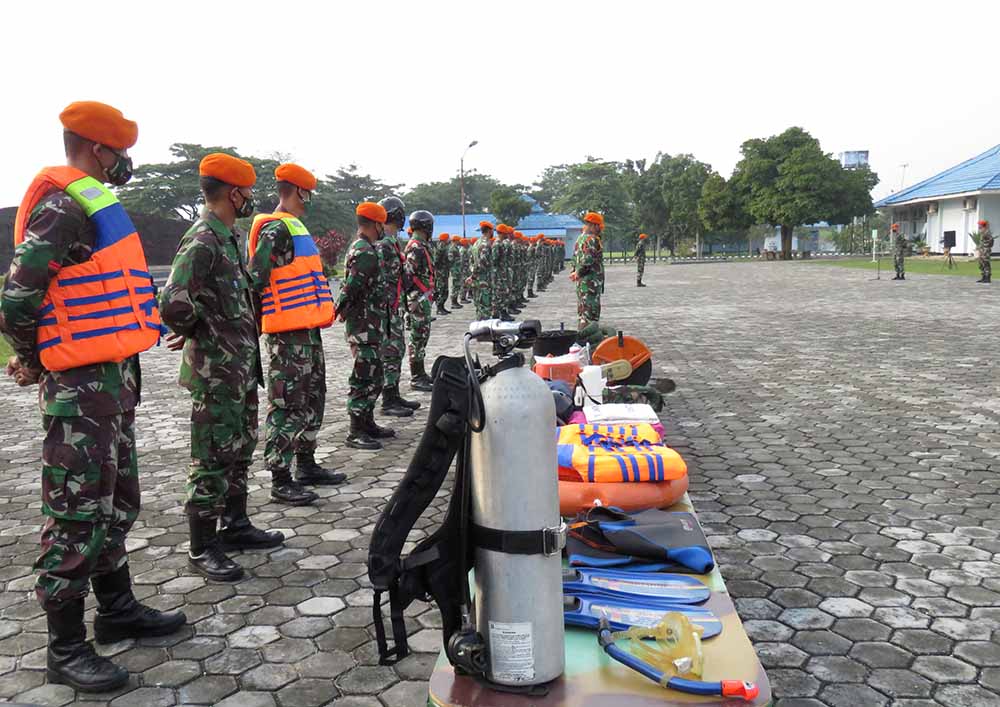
x,y
558,226
945,209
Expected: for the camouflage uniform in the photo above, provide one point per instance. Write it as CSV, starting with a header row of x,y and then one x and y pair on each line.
x,y
455,263
588,264
481,272
640,261
532,268
208,300
442,260
393,345
498,270
90,482
361,304
466,272
899,253
420,270
296,377
985,253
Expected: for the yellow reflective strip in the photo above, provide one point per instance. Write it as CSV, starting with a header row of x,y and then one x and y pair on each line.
x,y
91,195
295,227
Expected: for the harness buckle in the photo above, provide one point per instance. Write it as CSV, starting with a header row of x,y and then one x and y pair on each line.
x,y
554,539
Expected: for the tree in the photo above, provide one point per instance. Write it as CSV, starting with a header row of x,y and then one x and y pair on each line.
x,y
787,180
597,185
445,197
349,186
666,195
722,211
508,205
551,186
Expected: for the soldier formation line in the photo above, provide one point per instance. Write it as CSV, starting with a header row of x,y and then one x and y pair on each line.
x,y
79,306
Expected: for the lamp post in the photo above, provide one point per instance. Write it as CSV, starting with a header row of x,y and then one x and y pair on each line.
x,y
461,169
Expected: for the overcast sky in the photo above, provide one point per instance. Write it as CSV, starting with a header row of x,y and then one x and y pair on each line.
x,y
400,88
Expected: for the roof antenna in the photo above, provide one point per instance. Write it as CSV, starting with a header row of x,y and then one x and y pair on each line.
x,y
902,178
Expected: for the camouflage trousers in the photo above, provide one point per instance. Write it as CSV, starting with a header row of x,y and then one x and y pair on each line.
x,y
441,290
223,437
898,263
483,299
985,266
393,348
90,499
296,397
456,285
531,280
365,382
640,269
419,322
588,304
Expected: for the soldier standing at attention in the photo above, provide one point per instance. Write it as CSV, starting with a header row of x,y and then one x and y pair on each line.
x,y
455,261
390,257
442,261
640,259
420,272
295,303
466,269
588,270
207,303
985,252
90,478
480,272
360,305
898,252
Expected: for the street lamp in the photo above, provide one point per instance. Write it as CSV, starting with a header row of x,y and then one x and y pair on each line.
x,y
461,169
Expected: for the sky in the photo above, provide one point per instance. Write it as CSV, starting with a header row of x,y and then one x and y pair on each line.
x,y
401,88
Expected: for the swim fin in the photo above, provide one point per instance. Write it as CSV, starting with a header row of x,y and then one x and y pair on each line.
x,y
637,586
587,611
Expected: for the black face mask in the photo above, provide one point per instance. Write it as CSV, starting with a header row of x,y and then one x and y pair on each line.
x,y
246,209
120,172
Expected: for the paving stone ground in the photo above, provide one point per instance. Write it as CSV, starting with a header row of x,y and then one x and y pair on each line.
x,y
843,446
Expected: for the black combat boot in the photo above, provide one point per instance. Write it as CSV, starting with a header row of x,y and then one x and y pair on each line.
x,y
639,284
455,304
441,309
238,533
121,616
531,294
289,491
358,437
419,380
392,404
399,399
374,430
206,556
70,660
309,473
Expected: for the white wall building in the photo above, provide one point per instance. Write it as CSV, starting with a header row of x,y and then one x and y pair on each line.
x,y
945,209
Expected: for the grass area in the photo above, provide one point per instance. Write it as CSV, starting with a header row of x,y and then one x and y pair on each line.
x,y
918,264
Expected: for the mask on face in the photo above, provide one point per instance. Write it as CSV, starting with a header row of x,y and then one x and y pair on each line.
x,y
120,172
246,209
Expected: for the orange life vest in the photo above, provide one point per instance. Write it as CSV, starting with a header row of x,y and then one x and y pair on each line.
x,y
298,295
616,453
102,310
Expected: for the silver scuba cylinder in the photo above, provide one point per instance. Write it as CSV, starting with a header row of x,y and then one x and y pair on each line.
x,y
519,606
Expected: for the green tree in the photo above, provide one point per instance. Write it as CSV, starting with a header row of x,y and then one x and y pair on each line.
x,y
508,205
352,187
598,185
787,180
722,212
551,186
445,197
666,195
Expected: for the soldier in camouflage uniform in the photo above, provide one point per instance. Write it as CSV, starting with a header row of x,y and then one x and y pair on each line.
x,y
466,269
640,259
543,263
361,306
985,252
455,265
588,270
480,272
296,380
898,252
501,273
420,276
390,257
89,475
534,257
208,303
441,256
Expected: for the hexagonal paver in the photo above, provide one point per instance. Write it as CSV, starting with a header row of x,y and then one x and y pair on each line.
x,y
209,689
172,673
320,606
253,637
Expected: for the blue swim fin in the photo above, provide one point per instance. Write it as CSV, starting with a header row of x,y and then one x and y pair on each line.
x,y
587,611
647,587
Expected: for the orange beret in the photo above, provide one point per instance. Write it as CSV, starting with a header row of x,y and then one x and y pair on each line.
x,y
228,169
371,211
457,238
643,236
101,123
895,227
595,218
443,237
409,230
483,225
503,228
518,234
299,176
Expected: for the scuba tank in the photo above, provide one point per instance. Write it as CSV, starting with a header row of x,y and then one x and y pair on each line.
x,y
503,521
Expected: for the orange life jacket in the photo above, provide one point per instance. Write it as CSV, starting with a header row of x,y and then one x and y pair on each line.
x,y
610,453
298,295
102,310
